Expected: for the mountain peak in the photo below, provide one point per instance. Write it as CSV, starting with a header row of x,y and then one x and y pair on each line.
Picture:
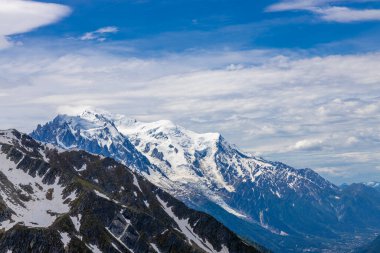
x,y
166,128
93,132
124,123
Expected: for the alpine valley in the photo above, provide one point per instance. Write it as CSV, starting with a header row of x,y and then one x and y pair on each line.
x,y
283,208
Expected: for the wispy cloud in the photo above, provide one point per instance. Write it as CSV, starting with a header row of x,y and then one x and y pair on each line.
x,y
329,10
308,145
333,171
18,16
347,15
290,5
100,34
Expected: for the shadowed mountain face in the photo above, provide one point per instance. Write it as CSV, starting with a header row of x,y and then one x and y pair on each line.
x,y
375,185
71,201
373,247
286,209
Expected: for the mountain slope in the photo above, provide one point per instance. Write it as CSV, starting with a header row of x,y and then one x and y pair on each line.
x,y
71,201
373,247
375,185
295,208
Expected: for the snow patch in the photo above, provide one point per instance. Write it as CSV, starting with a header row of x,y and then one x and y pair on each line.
x,y
119,238
187,230
46,201
136,183
76,221
115,247
226,207
94,248
102,195
83,168
154,246
65,238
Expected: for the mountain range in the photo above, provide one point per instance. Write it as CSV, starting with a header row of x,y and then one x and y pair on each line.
x,y
55,200
375,185
283,208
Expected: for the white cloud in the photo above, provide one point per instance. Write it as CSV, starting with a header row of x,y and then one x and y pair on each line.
x,y
18,16
295,5
352,140
359,156
347,15
100,34
4,42
326,10
276,105
73,110
333,171
307,144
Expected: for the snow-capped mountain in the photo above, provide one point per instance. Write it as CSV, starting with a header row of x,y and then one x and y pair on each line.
x,y
52,200
95,133
296,208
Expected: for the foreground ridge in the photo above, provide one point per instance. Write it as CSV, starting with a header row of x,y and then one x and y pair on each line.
x,y
53,200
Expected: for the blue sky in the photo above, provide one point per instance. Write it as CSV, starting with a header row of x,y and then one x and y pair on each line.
x,y
295,81
182,25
